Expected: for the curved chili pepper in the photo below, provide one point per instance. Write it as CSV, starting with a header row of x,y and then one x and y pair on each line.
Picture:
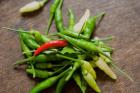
x,y
55,43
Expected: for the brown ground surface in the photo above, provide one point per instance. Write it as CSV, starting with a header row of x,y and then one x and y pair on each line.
x,y
122,21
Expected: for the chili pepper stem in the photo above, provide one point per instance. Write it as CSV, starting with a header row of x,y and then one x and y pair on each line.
x,y
107,38
34,74
43,2
59,70
49,25
28,52
101,15
122,72
103,39
66,57
14,29
24,61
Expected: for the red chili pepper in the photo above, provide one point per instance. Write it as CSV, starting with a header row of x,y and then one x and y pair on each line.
x,y
55,43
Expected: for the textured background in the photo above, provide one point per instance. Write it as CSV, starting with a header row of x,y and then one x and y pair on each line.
x,y
122,21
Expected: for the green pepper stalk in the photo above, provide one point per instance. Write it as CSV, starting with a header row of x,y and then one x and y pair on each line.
x,y
32,6
108,61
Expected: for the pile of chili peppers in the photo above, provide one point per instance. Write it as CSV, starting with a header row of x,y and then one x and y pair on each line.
x,y
73,55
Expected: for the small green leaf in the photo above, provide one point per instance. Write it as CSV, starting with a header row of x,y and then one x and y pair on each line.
x,y
67,50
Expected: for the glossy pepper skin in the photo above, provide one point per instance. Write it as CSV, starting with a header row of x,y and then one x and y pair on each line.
x,y
90,26
30,41
90,80
40,73
55,43
89,46
52,14
61,83
48,82
58,17
74,34
39,37
24,47
45,58
80,82
71,19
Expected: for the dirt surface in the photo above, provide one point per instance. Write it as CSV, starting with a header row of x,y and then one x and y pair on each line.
x,y
122,20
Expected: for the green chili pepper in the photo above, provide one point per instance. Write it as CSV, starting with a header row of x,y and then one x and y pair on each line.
x,y
61,83
52,14
30,41
74,34
80,82
76,65
71,19
108,61
47,65
44,73
91,24
90,80
40,58
89,46
39,37
48,82
47,58
89,27
84,64
58,17
26,50
40,73
24,47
